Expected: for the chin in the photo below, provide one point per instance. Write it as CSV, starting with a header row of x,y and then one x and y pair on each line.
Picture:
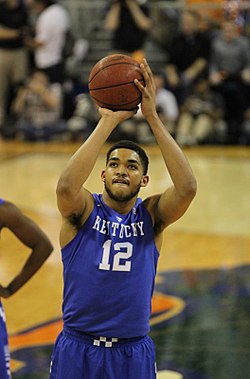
x,y
122,194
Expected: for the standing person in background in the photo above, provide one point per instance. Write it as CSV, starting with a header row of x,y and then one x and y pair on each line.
x,y
130,22
110,246
188,56
34,238
51,28
13,54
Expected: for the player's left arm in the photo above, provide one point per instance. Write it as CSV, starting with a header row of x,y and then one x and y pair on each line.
x,y
174,201
32,236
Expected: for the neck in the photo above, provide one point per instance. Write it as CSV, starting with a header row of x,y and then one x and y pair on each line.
x,y
121,207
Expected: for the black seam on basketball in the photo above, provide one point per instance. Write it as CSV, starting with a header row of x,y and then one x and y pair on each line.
x,y
116,105
115,85
113,64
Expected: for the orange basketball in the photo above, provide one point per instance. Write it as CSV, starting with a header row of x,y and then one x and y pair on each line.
x,y
111,82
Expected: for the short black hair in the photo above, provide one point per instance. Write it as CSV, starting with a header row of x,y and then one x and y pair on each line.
x,y
126,144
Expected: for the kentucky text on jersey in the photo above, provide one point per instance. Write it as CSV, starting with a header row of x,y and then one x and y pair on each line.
x,y
116,229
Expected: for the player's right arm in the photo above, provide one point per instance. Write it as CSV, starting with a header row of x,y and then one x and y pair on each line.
x,y
72,198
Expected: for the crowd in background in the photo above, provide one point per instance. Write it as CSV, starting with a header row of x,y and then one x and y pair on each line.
x,y
203,87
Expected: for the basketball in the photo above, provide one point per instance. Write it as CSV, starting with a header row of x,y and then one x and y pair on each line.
x,y
111,82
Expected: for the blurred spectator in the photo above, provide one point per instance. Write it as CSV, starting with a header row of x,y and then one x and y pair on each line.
x,y
52,27
130,22
38,108
213,9
188,56
201,116
234,12
84,118
230,74
13,55
245,132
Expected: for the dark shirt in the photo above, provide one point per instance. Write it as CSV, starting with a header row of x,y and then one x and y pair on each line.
x,y
129,37
185,50
13,18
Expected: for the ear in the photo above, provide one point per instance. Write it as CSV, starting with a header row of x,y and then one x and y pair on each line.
x,y
103,175
144,181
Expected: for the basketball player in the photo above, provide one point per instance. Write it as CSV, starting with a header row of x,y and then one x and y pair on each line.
x,y
110,247
34,238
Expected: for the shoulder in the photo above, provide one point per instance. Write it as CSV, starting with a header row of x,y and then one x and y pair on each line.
x,y
151,203
59,11
52,11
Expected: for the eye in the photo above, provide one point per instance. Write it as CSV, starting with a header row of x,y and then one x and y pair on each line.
x,y
112,164
132,167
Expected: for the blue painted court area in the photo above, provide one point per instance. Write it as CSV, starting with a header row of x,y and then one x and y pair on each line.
x,y
209,339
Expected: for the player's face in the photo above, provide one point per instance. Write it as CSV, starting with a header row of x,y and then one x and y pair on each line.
x,y
123,176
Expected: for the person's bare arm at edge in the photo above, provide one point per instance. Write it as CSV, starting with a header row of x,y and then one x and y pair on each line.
x,y
169,206
31,236
75,203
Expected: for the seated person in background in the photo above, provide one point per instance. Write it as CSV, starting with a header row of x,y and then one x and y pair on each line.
x,y
188,56
130,22
201,115
245,129
229,74
84,118
38,106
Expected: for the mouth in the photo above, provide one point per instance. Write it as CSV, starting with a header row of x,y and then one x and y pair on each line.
x,y
120,181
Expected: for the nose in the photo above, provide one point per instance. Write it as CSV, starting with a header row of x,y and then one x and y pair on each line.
x,y
121,170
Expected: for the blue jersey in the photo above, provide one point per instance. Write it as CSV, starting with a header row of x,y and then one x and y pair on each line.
x,y
109,273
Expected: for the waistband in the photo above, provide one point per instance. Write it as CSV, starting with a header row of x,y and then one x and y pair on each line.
x,y
100,341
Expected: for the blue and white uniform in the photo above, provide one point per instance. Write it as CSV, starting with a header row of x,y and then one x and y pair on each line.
x,y
109,274
4,348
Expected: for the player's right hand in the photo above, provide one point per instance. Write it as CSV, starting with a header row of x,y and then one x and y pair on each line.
x,y
4,292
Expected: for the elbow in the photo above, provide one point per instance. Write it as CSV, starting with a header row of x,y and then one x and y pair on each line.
x,y
46,246
48,249
188,190
63,188
191,189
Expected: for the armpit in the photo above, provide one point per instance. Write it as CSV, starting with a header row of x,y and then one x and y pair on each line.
x,y
76,220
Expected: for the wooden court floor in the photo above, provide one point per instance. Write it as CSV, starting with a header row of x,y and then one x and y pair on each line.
x,y
201,306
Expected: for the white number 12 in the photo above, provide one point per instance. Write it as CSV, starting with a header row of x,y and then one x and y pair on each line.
x,y
117,265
